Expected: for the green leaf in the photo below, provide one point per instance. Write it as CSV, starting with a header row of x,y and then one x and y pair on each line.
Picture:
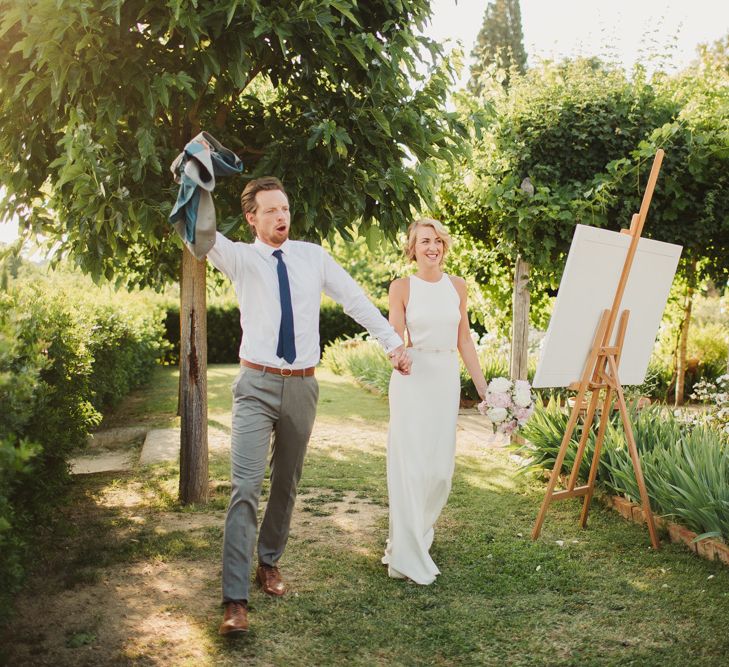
x,y
355,47
379,116
231,12
342,8
28,76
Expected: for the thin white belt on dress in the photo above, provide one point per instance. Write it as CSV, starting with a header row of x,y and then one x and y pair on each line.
x,y
442,350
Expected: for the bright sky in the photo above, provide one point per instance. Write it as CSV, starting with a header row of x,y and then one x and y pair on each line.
x,y
621,30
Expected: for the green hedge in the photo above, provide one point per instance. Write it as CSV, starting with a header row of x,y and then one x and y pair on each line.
x,y
65,353
364,361
224,330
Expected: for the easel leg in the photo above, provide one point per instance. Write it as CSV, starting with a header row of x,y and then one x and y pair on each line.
x,y
574,416
633,449
555,471
586,429
604,419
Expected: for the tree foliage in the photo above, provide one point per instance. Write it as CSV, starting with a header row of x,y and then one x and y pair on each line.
x,y
99,97
691,203
499,44
584,135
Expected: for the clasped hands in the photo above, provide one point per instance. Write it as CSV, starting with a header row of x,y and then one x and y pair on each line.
x,y
400,360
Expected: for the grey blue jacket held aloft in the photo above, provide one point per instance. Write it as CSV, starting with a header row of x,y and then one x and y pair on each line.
x,y
195,169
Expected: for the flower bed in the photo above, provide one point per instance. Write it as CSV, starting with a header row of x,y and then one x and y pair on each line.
x,y
685,465
707,547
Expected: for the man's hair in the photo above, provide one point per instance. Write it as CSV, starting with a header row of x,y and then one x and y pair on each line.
x,y
248,196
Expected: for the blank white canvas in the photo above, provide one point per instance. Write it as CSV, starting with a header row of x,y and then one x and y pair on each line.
x,y
591,275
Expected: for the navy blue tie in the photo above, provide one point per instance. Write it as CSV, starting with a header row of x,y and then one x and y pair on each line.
x,y
286,338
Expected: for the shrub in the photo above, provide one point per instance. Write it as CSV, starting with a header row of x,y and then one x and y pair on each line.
x,y
708,344
364,360
657,381
224,332
18,378
65,353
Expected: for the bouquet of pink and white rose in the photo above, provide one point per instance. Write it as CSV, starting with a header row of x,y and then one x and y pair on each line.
x,y
508,405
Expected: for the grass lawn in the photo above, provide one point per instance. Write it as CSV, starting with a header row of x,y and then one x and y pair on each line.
x,y
599,597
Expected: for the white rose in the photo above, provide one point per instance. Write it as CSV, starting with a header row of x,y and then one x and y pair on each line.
x,y
496,415
500,385
522,397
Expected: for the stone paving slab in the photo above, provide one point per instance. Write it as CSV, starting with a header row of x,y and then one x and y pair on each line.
x,y
116,438
102,462
163,444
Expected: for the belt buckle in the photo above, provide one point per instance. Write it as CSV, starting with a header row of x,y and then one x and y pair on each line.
x,y
287,372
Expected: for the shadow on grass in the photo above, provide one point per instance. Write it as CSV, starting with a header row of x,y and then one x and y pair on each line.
x,y
601,597
593,597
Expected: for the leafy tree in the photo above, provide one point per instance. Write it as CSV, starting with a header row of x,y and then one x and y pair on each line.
x,y
560,126
99,97
584,135
713,56
691,204
499,44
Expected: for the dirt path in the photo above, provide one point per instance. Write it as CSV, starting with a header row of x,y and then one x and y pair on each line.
x,y
155,612
142,610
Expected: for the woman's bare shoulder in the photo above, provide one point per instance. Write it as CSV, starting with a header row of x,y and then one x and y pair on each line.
x,y
399,284
459,283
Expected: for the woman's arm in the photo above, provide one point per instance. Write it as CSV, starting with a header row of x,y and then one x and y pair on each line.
x,y
398,297
465,343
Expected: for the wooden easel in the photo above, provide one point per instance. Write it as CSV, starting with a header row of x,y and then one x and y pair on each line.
x,y
601,373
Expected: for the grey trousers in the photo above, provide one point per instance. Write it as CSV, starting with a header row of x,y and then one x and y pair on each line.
x,y
264,404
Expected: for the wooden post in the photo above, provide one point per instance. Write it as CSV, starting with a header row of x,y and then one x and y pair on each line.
x,y
193,382
683,338
520,321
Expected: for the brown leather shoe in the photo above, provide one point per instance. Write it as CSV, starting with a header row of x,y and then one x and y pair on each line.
x,y
235,619
270,580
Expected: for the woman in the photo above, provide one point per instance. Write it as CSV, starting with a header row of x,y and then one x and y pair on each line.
x,y
421,444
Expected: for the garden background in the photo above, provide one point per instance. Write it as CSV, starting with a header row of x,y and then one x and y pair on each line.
x,y
98,98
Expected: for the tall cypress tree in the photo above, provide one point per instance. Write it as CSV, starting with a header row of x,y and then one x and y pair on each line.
x,y
500,42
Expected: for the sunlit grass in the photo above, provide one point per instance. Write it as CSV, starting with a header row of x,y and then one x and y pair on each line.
x,y
599,596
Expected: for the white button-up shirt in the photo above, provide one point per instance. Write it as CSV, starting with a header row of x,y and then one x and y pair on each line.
x,y
252,268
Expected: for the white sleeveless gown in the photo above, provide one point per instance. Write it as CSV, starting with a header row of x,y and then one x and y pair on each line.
x,y
421,440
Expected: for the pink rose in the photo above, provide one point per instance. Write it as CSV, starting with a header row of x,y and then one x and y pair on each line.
x,y
523,414
507,427
498,400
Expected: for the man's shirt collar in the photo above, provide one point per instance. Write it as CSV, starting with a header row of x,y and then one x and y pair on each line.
x,y
267,250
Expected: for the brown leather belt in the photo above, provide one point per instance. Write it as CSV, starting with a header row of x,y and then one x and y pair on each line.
x,y
283,372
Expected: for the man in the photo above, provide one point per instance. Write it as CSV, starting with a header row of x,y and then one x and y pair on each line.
x,y
278,283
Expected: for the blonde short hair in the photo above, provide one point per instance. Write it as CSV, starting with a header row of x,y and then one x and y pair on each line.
x,y
437,227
